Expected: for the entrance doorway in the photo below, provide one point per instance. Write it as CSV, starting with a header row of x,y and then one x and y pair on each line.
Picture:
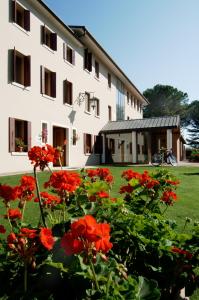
x,y
60,140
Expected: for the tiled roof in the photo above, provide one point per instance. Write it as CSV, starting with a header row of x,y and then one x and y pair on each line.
x,y
140,124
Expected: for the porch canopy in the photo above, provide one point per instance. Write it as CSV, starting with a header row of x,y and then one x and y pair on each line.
x,y
136,140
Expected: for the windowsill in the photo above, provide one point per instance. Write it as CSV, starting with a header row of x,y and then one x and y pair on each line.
x,y
68,63
96,116
48,97
49,49
109,88
87,71
21,86
19,153
21,28
97,78
87,112
88,154
68,105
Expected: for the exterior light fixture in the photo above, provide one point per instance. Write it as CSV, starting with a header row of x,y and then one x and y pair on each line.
x,y
87,96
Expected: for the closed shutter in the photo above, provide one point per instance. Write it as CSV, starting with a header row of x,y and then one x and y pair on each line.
x,y
14,11
42,80
85,148
29,135
53,41
27,71
14,69
64,51
53,84
43,34
73,57
90,61
27,20
85,58
11,135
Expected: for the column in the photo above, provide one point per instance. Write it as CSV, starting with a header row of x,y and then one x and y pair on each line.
x,y
134,147
103,149
149,147
169,139
178,149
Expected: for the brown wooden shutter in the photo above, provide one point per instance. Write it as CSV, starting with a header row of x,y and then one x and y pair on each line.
x,y
64,51
85,58
14,11
65,91
27,71
29,135
14,69
11,135
53,84
90,61
27,20
42,80
71,93
73,57
53,41
85,143
43,34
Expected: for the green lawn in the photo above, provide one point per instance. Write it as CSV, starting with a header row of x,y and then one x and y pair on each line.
x,y
186,206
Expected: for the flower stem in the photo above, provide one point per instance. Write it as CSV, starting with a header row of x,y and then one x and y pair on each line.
x,y
94,275
39,197
164,210
23,210
108,284
9,220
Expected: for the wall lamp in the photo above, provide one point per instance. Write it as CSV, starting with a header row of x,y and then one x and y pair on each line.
x,y
88,96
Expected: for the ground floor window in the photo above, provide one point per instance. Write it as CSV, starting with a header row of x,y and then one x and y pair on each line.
x,y
87,143
44,132
112,146
19,135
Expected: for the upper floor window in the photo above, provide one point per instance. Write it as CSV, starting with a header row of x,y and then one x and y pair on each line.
x,y
69,54
48,82
21,71
49,38
109,80
131,100
68,92
19,135
87,60
127,95
96,69
21,16
87,102
109,113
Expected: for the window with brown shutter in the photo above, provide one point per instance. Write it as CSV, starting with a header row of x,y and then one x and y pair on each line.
x,y
97,108
21,16
87,102
109,80
87,143
96,69
127,95
109,113
48,82
131,100
19,135
21,68
68,92
49,38
87,60
98,144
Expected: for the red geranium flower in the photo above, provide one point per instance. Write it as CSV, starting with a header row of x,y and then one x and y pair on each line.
x,y
2,229
8,193
48,200
28,233
169,197
130,174
126,189
102,194
14,213
27,187
46,238
182,252
71,244
172,182
103,232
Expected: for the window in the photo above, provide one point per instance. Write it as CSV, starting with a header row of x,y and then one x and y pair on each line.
x,y
96,69
127,95
87,102
87,143
69,54
97,108
68,92
131,100
21,16
97,144
44,132
109,80
49,38
87,60
112,146
21,68
135,101
19,135
109,113
138,105
128,118
48,82
74,137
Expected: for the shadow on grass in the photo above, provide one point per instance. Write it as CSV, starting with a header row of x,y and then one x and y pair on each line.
x,y
191,174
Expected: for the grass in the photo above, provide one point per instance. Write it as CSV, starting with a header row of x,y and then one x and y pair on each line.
x,y
188,191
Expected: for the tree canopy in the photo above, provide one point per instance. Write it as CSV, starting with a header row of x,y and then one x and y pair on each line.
x,y
165,100
192,121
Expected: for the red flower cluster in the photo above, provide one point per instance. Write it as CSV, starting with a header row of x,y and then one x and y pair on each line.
x,y
2,229
126,189
172,182
130,174
48,200
101,173
182,252
27,187
41,156
46,238
169,197
8,193
144,179
99,195
88,236
13,213
64,181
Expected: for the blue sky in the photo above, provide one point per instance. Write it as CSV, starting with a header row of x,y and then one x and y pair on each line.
x,y
153,41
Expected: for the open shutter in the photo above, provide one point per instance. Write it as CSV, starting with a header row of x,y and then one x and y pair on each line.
x,y
27,71
11,135
43,34
85,143
64,51
53,41
90,61
14,69
73,57
92,144
29,135
27,20
85,58
14,11
42,80
71,92
53,84
65,91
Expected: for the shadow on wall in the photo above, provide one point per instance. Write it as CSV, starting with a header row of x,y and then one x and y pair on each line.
x,y
93,159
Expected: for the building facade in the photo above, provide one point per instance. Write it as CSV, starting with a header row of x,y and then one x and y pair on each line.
x,y
58,86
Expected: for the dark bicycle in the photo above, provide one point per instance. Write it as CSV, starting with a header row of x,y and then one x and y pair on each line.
x,y
163,158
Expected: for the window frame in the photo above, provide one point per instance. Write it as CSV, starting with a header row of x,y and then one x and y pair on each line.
x,y
68,92
26,75
87,146
66,47
53,82
12,134
52,43
26,15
